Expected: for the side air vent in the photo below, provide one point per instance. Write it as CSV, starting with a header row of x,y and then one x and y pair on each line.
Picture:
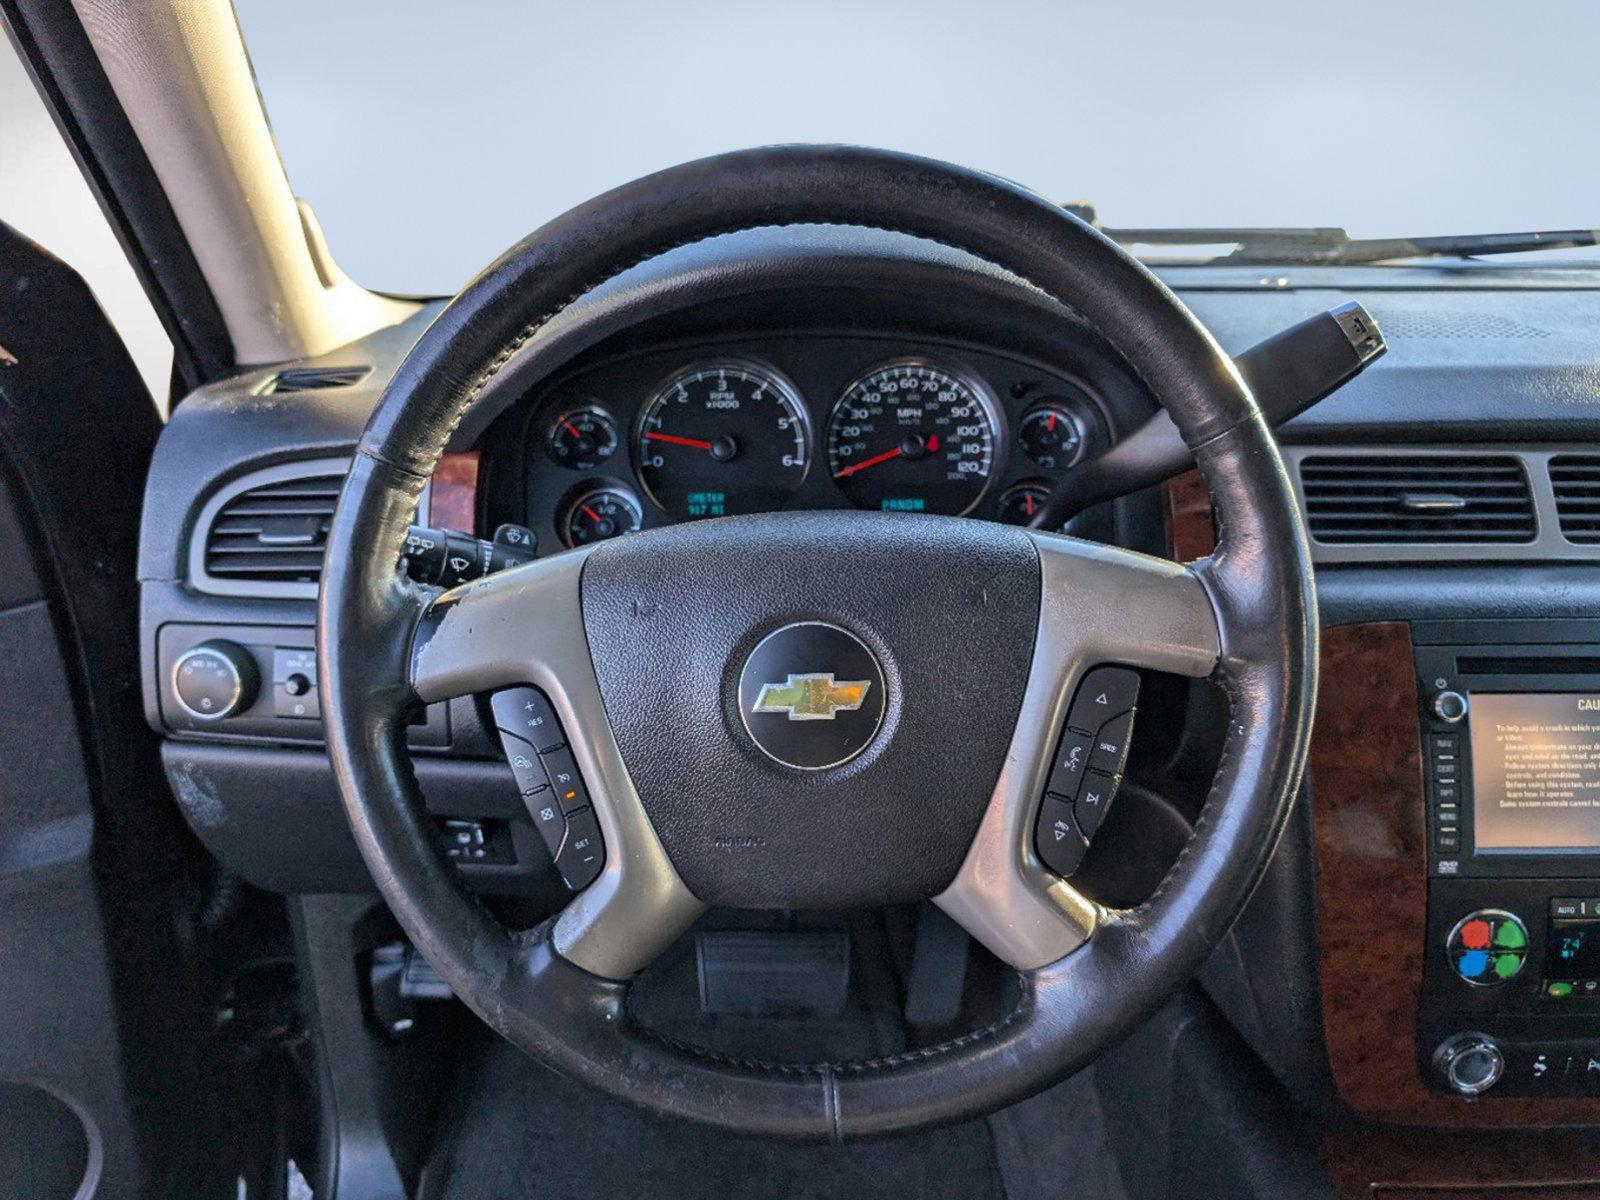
x,y
1576,480
1417,499
264,534
316,379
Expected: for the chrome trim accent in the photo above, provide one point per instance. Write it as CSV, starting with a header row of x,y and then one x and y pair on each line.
x,y
525,626
1098,605
1359,328
1548,544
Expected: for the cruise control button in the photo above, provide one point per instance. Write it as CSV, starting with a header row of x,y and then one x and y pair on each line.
x,y
524,762
564,777
1094,800
582,853
1111,745
1072,758
1060,843
547,818
1105,692
525,712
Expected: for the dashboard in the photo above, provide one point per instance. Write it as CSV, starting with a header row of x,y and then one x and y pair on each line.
x,y
759,424
834,369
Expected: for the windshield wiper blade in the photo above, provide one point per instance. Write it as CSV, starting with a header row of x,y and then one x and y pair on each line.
x,y
1335,247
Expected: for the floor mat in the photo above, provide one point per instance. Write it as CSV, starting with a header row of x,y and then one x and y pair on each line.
x,y
524,1131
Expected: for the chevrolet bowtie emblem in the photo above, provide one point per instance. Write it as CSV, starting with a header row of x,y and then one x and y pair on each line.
x,y
812,697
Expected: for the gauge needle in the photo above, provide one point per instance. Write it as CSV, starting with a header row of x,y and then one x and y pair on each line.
x,y
572,429
678,441
871,462
591,514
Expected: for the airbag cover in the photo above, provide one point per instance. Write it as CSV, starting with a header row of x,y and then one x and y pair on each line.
x,y
947,607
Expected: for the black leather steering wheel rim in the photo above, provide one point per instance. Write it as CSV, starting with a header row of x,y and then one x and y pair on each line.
x,y
1259,584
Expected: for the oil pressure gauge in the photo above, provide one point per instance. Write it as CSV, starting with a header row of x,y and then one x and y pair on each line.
x,y
582,438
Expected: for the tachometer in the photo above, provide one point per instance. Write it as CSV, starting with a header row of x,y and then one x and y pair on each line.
x,y
722,438
912,437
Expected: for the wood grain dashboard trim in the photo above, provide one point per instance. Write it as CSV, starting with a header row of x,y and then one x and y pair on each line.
x,y
453,494
1372,889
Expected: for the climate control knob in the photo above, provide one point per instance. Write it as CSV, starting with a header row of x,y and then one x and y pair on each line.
x,y
1469,1063
215,680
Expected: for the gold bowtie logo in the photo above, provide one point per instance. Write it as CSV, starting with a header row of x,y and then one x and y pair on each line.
x,y
812,697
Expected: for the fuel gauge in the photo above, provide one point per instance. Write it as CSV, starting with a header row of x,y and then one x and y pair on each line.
x,y
601,514
582,438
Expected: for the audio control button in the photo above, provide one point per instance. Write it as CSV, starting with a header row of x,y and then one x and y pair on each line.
x,y
1450,707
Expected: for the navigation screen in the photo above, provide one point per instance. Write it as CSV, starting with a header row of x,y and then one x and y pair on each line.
x,y
1536,773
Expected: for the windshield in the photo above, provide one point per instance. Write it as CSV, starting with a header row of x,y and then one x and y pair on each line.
x,y
430,137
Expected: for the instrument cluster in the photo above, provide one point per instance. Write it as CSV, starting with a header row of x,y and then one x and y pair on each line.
x,y
758,425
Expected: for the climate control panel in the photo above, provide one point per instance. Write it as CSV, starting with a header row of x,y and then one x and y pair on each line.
x,y
1510,1000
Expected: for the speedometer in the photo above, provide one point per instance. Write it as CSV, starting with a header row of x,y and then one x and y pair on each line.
x,y
912,437
722,438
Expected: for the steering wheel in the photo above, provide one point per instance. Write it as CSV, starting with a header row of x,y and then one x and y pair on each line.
x,y
970,637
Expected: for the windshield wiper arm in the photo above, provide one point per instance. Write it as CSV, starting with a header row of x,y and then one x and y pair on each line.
x,y
1335,247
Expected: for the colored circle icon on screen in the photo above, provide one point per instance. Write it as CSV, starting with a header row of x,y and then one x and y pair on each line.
x,y
1488,947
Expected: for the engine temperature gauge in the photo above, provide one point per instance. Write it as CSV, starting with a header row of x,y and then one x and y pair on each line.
x,y
598,515
583,438
1051,435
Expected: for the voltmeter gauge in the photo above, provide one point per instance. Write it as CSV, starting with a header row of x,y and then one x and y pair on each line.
x,y
1020,504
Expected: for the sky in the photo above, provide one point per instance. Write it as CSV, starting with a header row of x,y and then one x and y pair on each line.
x,y
429,137
428,143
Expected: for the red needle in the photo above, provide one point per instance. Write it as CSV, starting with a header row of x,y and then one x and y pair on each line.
x,y
678,441
591,514
1050,422
1029,499
572,429
871,462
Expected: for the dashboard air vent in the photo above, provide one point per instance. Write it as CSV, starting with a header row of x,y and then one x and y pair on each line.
x,y
313,379
1411,499
273,533
1576,480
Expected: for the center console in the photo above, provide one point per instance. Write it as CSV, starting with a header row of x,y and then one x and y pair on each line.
x,y
1510,995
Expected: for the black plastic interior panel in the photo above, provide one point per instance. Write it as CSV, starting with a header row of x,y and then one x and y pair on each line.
x,y
274,816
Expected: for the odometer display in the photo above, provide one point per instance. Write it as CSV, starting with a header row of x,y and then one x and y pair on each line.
x,y
721,439
912,437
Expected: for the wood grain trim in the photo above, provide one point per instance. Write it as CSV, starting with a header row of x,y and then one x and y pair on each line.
x,y
1372,889
1191,523
453,500
1392,1164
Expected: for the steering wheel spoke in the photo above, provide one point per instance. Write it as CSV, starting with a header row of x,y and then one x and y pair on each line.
x,y
525,627
1099,605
